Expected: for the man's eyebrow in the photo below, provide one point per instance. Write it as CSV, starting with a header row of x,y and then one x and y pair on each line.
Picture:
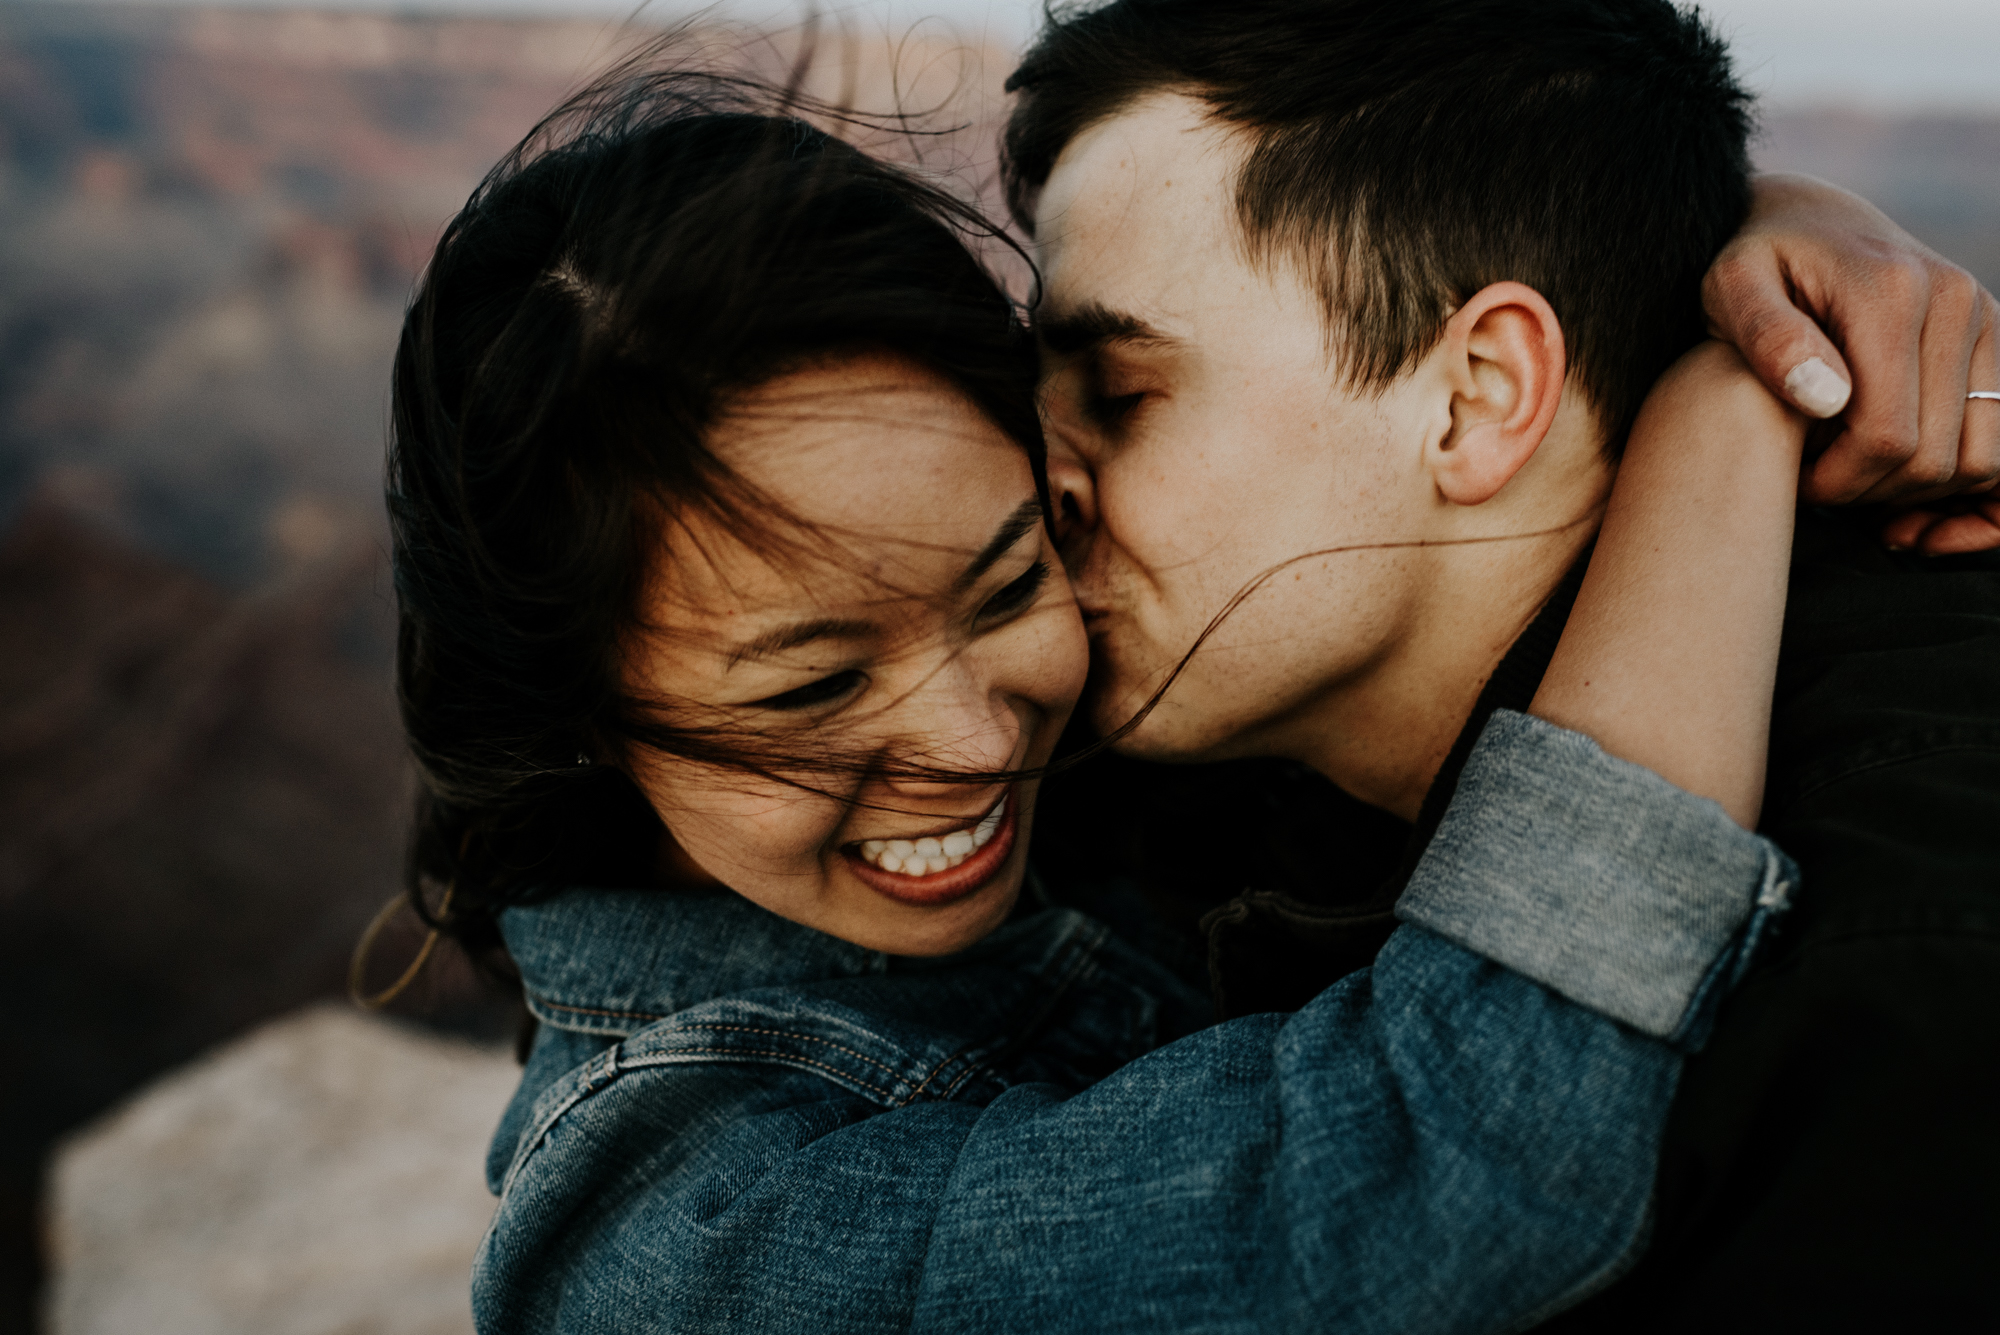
x,y
1093,325
781,638
1026,516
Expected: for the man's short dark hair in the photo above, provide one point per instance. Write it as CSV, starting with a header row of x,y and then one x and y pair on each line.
x,y
1410,152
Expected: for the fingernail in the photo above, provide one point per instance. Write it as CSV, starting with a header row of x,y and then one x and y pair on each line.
x,y
1817,388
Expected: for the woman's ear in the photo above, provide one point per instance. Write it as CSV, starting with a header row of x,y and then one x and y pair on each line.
x,y
1505,364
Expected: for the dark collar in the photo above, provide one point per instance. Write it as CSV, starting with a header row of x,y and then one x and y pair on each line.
x,y
1269,950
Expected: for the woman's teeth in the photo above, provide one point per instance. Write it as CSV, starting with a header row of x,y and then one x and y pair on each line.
x,y
927,857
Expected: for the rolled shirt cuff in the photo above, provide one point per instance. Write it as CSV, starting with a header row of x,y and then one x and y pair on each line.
x,y
1597,879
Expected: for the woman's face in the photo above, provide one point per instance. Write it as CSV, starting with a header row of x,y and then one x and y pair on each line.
x,y
926,620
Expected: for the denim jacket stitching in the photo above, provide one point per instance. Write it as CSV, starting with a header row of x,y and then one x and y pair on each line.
x,y
887,1070
972,1064
594,1076
648,1017
1072,962
975,1057
663,1056
972,1068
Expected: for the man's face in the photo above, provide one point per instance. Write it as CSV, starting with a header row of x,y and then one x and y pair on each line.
x,y
1198,389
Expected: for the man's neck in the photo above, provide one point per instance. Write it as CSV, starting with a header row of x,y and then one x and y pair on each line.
x,y
1384,735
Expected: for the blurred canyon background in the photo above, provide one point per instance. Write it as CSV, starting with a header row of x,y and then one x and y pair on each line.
x,y
210,220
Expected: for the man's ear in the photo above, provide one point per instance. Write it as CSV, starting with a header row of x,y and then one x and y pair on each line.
x,y
1505,364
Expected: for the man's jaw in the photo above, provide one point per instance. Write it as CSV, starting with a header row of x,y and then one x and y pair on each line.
x,y
1115,692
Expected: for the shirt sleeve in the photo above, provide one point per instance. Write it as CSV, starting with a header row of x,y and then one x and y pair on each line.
x,y
1441,1143
1596,878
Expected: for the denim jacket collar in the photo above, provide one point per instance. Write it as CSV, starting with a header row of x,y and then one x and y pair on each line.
x,y
612,962
708,976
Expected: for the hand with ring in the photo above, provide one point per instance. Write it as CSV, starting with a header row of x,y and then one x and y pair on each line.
x,y
1854,321
1967,523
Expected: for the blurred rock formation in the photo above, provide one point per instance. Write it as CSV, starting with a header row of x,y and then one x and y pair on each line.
x,y
321,1176
202,798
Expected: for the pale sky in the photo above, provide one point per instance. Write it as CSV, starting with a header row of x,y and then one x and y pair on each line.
x,y
1885,54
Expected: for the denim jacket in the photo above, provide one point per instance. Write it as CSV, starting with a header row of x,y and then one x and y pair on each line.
x,y
731,1122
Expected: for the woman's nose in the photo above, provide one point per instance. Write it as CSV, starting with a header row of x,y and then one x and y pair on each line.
x,y
959,729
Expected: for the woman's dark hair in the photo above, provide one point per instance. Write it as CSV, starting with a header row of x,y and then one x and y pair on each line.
x,y
660,245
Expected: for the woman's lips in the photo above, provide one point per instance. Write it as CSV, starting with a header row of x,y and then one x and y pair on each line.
x,y
947,886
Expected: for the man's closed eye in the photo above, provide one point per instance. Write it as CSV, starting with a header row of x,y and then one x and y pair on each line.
x,y
1108,410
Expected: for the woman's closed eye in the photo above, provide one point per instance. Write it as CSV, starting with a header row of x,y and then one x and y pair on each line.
x,y
1017,594
827,690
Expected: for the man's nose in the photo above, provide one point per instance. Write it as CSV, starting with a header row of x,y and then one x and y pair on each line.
x,y
1073,490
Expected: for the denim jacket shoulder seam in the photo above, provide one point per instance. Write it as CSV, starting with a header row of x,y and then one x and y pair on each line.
x,y
585,1083
602,1072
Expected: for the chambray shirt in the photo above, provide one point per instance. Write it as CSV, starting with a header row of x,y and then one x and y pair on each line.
x,y
732,1123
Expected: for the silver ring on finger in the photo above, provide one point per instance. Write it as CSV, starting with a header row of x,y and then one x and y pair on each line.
x,y
1984,394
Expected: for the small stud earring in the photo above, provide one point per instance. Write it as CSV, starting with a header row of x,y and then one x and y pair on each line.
x,y
582,759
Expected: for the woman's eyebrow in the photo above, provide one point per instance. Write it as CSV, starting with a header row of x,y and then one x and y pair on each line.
x,y
781,638
1027,515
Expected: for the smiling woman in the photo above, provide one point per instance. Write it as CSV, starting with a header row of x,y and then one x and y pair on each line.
x,y
922,632
627,405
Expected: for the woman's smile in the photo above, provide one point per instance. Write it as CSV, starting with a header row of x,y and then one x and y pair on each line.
x,y
938,869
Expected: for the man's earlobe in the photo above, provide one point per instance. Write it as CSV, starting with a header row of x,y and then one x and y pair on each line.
x,y
1505,363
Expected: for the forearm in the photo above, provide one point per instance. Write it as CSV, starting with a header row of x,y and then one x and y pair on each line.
x,y
1670,657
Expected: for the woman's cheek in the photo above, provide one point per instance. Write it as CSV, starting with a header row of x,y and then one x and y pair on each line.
x,y
1076,653
749,835
1058,660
